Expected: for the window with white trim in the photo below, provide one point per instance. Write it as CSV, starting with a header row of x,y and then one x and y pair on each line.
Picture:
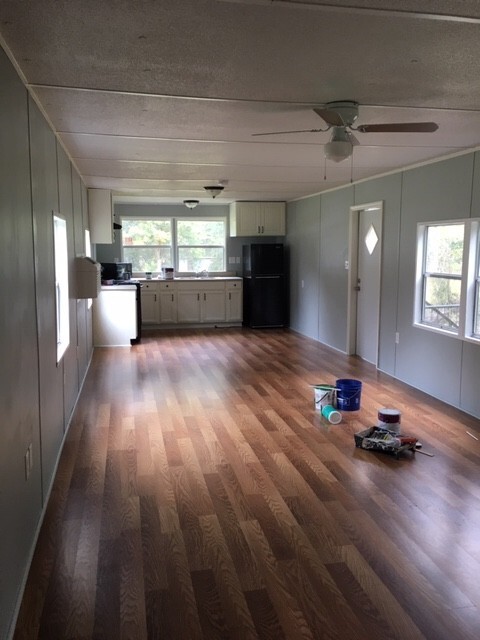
x,y
201,244
62,304
448,278
147,243
476,320
189,245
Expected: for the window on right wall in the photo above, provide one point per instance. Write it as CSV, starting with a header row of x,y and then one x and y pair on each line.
x,y
447,295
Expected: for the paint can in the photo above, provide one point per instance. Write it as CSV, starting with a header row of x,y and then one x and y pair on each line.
x,y
325,394
389,419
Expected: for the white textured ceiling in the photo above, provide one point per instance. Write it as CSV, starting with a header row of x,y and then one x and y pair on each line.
x,y
158,98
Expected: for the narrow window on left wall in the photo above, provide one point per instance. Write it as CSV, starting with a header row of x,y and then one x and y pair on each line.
x,y
62,307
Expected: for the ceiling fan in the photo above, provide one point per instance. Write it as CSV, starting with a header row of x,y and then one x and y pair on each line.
x,y
340,116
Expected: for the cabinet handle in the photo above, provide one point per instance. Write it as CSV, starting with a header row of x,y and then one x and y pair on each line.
x,y
172,297
204,296
263,228
229,296
198,296
155,297
258,229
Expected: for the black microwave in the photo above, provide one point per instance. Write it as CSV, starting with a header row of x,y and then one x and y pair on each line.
x,y
116,270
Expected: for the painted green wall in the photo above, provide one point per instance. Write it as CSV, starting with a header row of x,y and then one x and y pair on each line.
x,y
37,396
443,366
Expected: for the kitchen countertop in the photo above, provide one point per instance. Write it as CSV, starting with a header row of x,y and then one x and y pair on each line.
x,y
118,287
191,278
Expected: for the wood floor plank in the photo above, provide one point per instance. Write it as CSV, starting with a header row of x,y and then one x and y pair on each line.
x,y
201,495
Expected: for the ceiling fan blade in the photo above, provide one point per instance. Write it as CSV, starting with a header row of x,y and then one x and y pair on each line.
x,y
398,127
331,117
279,133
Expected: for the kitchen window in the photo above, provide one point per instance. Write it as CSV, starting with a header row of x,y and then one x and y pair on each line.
x,y
201,245
189,245
147,243
448,278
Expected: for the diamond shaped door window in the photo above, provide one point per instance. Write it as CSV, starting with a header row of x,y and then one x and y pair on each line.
x,y
371,239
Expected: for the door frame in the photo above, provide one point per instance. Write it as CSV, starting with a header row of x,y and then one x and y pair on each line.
x,y
352,269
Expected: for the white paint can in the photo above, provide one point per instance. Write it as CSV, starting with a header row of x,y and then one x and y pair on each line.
x,y
325,394
389,419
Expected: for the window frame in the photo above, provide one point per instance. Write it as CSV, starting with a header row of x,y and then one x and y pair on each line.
x,y
179,246
174,237
61,285
146,219
469,279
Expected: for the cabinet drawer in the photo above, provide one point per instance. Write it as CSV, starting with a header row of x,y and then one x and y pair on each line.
x,y
149,286
201,285
166,286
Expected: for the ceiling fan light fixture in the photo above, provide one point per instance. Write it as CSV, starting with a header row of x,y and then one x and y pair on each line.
x,y
214,190
191,204
338,150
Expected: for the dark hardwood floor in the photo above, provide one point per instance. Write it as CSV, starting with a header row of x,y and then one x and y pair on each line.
x,y
201,495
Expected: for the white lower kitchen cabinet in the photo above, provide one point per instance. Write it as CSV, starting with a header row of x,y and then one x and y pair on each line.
x,y
234,302
192,301
200,302
212,306
167,303
150,306
188,305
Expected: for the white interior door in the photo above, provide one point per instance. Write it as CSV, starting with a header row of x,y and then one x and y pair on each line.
x,y
368,283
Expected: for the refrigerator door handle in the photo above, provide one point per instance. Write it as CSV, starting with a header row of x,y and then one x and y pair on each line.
x,y
266,277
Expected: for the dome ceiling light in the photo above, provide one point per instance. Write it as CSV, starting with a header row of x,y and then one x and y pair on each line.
x,y
214,190
191,204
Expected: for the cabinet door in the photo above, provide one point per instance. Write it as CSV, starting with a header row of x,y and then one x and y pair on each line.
x,y
213,306
257,219
168,307
100,214
247,219
149,306
273,219
234,305
188,305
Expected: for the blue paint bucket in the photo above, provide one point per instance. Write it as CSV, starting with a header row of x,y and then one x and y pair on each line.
x,y
348,394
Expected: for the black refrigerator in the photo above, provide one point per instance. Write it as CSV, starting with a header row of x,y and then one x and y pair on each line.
x,y
264,285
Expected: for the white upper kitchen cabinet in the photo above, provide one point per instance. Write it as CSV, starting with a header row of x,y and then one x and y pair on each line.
x,y
257,219
100,214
